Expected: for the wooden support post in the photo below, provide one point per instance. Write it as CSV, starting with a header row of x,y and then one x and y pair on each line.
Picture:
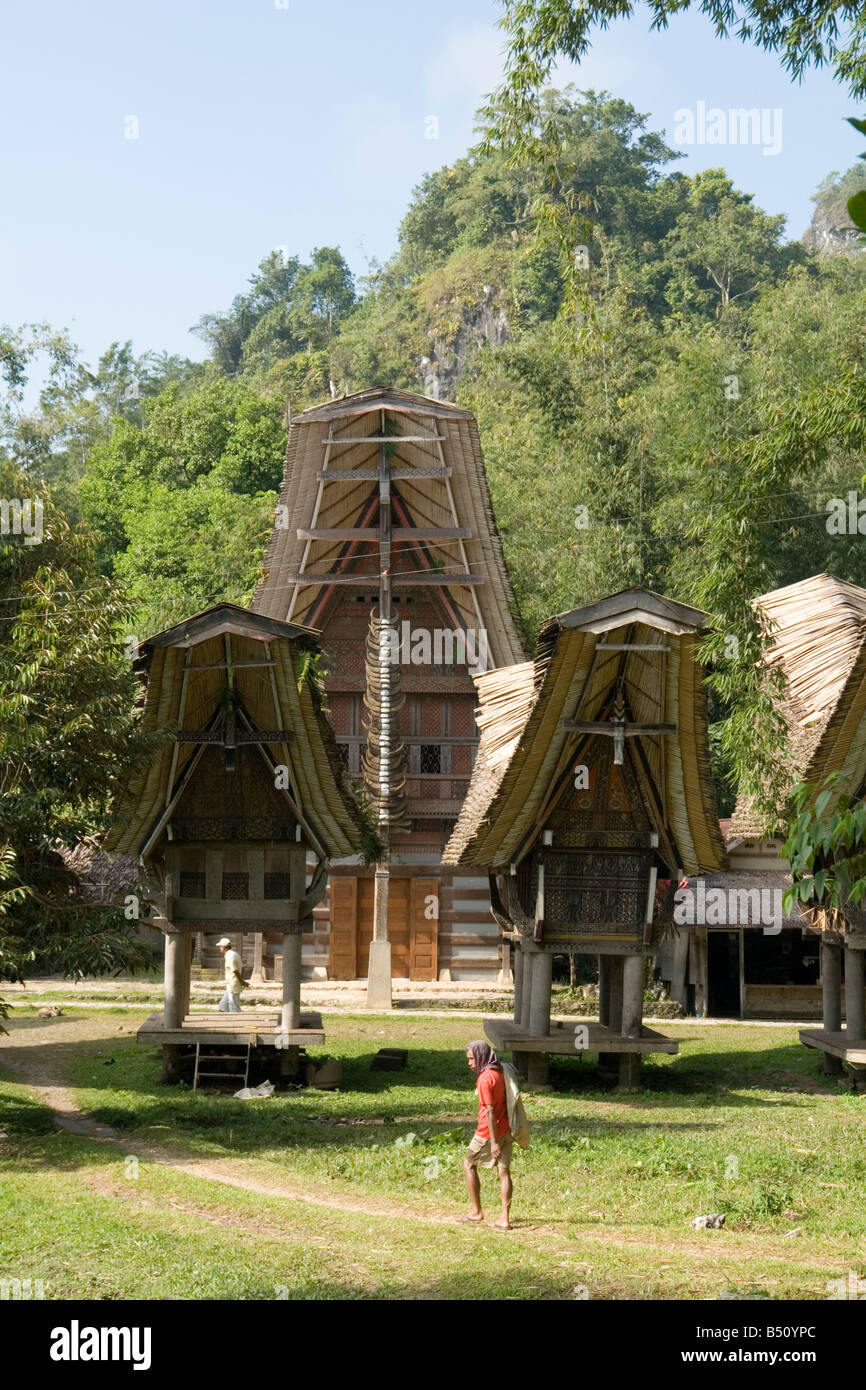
x,y
175,982
172,1012
610,1000
506,956
604,991
831,996
701,971
292,945
539,1014
518,981
293,942
632,1015
526,987
522,990
615,998
257,977
855,1018
379,963
679,966
632,995
188,946
539,997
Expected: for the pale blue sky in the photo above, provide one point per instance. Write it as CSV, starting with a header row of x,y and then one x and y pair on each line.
x,y
301,126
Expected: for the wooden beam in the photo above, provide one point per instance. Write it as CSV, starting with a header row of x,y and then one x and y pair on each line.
x,y
589,726
216,736
341,475
419,577
223,665
391,439
371,533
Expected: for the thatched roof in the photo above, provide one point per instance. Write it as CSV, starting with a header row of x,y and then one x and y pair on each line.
x,y
579,665
425,437
817,639
184,676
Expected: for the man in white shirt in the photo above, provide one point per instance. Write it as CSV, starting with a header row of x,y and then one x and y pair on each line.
x,y
231,1000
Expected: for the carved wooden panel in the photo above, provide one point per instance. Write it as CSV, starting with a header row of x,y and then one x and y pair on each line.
x,y
241,805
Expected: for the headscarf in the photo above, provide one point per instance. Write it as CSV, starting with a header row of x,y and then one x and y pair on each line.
x,y
483,1055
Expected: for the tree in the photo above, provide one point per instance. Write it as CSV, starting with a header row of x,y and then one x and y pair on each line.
x,y
542,31
725,247
289,308
76,407
183,503
67,741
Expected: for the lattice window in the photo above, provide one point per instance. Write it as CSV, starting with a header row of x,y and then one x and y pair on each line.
x,y
191,884
236,887
431,757
343,753
277,886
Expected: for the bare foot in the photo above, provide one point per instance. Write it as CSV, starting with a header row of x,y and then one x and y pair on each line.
x,y
501,1225
470,1220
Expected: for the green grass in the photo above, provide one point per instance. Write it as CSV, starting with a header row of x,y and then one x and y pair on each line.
x,y
741,1122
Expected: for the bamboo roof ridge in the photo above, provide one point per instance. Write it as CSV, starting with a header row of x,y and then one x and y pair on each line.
x,y
445,533
636,646
184,677
816,631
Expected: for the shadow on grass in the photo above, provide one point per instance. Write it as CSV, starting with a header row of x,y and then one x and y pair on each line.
x,y
433,1097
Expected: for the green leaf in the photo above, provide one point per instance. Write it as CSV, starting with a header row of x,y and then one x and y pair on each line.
x,y
857,210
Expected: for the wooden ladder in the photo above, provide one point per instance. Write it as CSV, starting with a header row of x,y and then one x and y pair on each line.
x,y
220,1057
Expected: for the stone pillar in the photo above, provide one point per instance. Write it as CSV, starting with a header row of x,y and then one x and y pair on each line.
x,y
379,966
291,1013
831,996
855,1021
632,1014
176,947
539,1014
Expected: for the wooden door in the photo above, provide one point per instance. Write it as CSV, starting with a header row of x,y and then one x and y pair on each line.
x,y
398,925
424,929
413,935
343,956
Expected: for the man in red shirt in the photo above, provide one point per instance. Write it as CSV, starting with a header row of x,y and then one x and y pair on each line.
x,y
492,1142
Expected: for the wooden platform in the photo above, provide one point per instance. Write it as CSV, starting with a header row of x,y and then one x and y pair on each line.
x,y
508,1036
836,1044
259,1028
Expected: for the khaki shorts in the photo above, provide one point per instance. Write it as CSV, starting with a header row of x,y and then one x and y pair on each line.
x,y
479,1155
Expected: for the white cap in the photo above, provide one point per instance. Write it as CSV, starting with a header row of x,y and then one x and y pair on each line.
x,y
224,941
